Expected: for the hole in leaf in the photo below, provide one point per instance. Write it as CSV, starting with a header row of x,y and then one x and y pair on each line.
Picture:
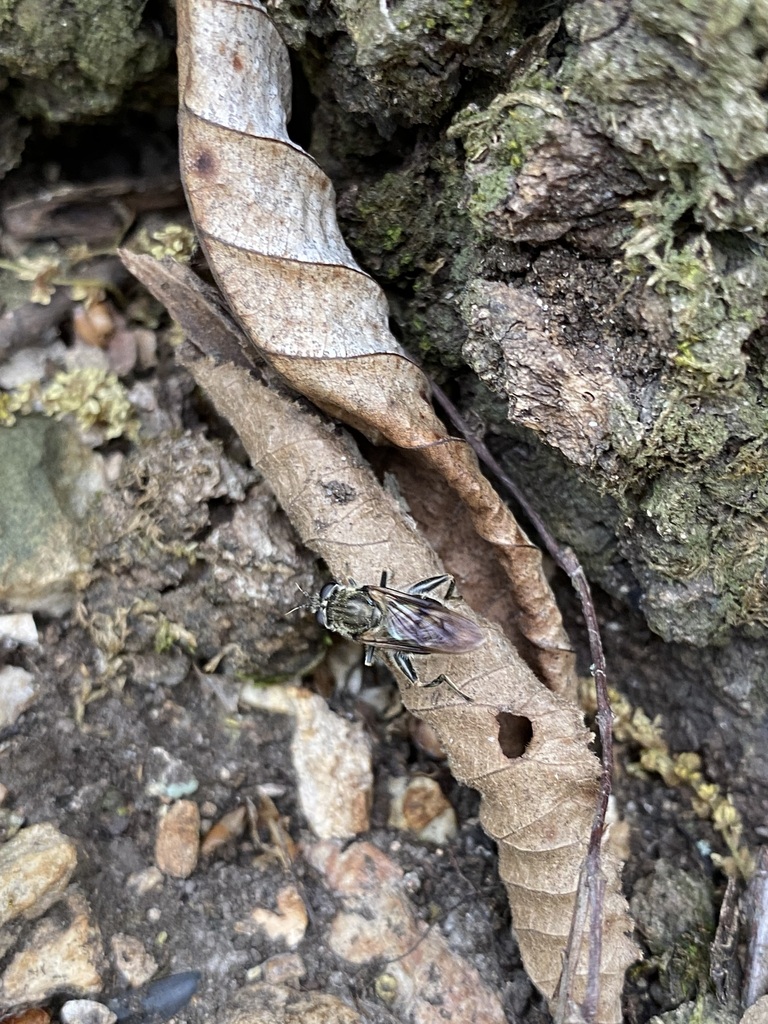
x,y
515,733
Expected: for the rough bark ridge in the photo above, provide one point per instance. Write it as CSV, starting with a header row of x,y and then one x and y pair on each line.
x,y
629,334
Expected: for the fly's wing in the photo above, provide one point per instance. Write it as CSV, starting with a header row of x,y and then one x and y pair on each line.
x,y
420,625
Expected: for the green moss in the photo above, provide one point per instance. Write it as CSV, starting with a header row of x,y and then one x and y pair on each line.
x,y
689,85
497,140
76,59
168,634
680,89
409,228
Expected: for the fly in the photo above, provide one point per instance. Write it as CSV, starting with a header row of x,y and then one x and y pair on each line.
x,y
402,622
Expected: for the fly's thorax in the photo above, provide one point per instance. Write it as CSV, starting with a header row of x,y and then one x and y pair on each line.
x,y
350,611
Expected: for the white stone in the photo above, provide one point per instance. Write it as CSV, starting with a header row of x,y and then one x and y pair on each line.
x,y
86,1011
17,693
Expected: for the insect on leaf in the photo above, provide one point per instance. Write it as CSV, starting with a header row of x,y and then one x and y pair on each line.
x,y
265,215
538,806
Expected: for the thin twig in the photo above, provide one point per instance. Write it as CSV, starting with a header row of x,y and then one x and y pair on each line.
x,y
590,895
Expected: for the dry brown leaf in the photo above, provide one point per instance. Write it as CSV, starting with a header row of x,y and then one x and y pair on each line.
x,y
538,805
265,215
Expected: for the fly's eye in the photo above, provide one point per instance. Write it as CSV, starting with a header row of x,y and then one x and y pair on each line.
x,y
325,595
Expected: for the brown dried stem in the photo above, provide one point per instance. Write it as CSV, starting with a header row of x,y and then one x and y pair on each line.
x,y
591,883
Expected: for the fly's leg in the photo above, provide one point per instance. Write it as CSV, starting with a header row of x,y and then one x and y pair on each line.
x,y
432,583
439,680
404,663
427,585
400,658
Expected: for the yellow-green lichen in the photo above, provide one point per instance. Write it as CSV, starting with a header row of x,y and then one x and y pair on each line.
x,y
47,270
94,398
175,240
632,725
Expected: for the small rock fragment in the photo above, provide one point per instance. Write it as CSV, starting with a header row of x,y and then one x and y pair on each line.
x,y
426,739
132,962
425,981
19,628
167,777
420,806
35,868
281,968
48,481
145,881
757,1012
177,844
331,757
33,1016
288,924
56,959
86,1011
150,669
94,324
17,693
278,1004
30,364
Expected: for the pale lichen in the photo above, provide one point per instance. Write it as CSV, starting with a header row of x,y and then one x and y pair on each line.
x,y
93,397
631,724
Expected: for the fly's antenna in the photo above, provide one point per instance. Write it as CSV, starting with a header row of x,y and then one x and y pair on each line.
x,y
300,607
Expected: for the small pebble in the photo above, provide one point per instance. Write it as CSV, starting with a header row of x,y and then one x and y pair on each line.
x,y
86,1011
177,844
20,628
57,959
331,758
288,924
132,962
35,868
33,1016
17,693
145,881
167,777
419,806
279,969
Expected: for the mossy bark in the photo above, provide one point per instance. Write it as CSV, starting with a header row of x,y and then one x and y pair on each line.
x,y
580,213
